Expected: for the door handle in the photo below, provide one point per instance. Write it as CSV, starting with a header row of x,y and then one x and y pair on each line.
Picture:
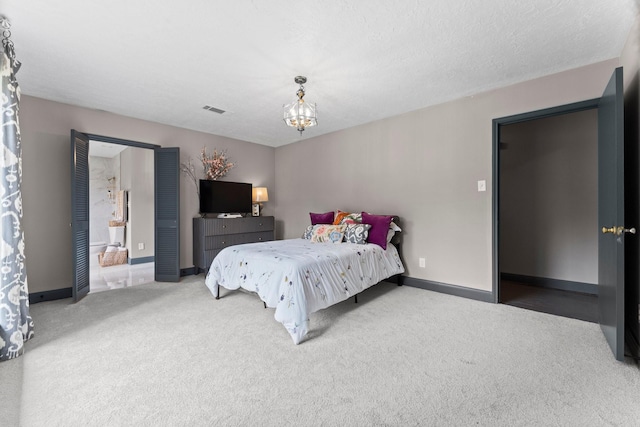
x,y
618,230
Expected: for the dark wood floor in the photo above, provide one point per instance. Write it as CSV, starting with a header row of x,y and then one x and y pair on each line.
x,y
552,301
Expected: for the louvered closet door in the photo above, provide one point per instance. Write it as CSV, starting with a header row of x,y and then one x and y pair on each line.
x,y
167,214
80,213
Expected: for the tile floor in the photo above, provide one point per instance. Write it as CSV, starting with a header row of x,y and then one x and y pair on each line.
x,y
119,276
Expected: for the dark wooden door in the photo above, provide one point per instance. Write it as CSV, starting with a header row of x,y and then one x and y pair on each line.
x,y
167,214
80,213
611,218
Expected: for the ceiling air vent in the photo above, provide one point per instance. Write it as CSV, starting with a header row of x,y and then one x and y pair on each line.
x,y
214,109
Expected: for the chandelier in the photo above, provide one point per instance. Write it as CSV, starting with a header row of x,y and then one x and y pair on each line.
x,y
300,114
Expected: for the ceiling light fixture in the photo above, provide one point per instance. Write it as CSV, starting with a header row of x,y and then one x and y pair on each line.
x,y
300,114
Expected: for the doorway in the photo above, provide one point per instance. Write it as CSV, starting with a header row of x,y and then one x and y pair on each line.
x,y
549,214
546,179
121,195
166,214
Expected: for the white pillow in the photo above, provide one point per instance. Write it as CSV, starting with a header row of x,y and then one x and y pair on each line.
x,y
393,227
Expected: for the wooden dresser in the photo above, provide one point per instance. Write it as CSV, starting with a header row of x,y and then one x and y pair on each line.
x,y
211,235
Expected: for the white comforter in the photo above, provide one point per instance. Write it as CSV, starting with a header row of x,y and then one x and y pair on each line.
x,y
298,277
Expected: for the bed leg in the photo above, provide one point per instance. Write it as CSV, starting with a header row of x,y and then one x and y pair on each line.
x,y
355,298
265,304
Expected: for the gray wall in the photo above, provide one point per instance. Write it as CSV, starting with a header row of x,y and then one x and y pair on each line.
x,y
423,166
45,128
137,172
549,198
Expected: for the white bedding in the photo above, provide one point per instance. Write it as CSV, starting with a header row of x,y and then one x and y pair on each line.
x,y
298,277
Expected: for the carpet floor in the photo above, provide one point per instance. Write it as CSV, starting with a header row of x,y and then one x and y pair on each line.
x,y
170,354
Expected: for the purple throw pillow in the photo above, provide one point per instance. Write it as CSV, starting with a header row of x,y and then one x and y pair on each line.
x,y
379,228
323,218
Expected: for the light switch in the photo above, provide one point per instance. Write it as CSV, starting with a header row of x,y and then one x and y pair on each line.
x,y
482,185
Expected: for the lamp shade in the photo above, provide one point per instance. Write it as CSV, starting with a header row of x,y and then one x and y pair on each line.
x,y
260,194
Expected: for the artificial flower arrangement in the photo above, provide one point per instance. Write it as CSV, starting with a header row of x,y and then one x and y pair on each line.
x,y
215,166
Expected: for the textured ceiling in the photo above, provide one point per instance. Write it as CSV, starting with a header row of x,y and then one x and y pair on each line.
x,y
163,60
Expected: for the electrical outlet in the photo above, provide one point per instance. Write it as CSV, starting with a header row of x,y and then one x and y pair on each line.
x,y
140,246
482,185
421,262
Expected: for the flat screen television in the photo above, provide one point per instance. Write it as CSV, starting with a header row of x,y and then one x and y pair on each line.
x,y
225,197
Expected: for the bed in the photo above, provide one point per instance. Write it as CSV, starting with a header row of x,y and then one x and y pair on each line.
x,y
300,276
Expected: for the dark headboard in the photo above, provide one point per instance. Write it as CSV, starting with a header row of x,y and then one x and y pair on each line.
x,y
397,242
397,238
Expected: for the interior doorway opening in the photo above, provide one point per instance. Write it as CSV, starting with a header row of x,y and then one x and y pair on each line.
x,y
547,205
121,202
166,214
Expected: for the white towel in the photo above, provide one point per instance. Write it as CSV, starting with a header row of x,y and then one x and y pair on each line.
x,y
121,201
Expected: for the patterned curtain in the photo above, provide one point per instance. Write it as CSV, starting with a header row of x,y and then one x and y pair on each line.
x,y
16,326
